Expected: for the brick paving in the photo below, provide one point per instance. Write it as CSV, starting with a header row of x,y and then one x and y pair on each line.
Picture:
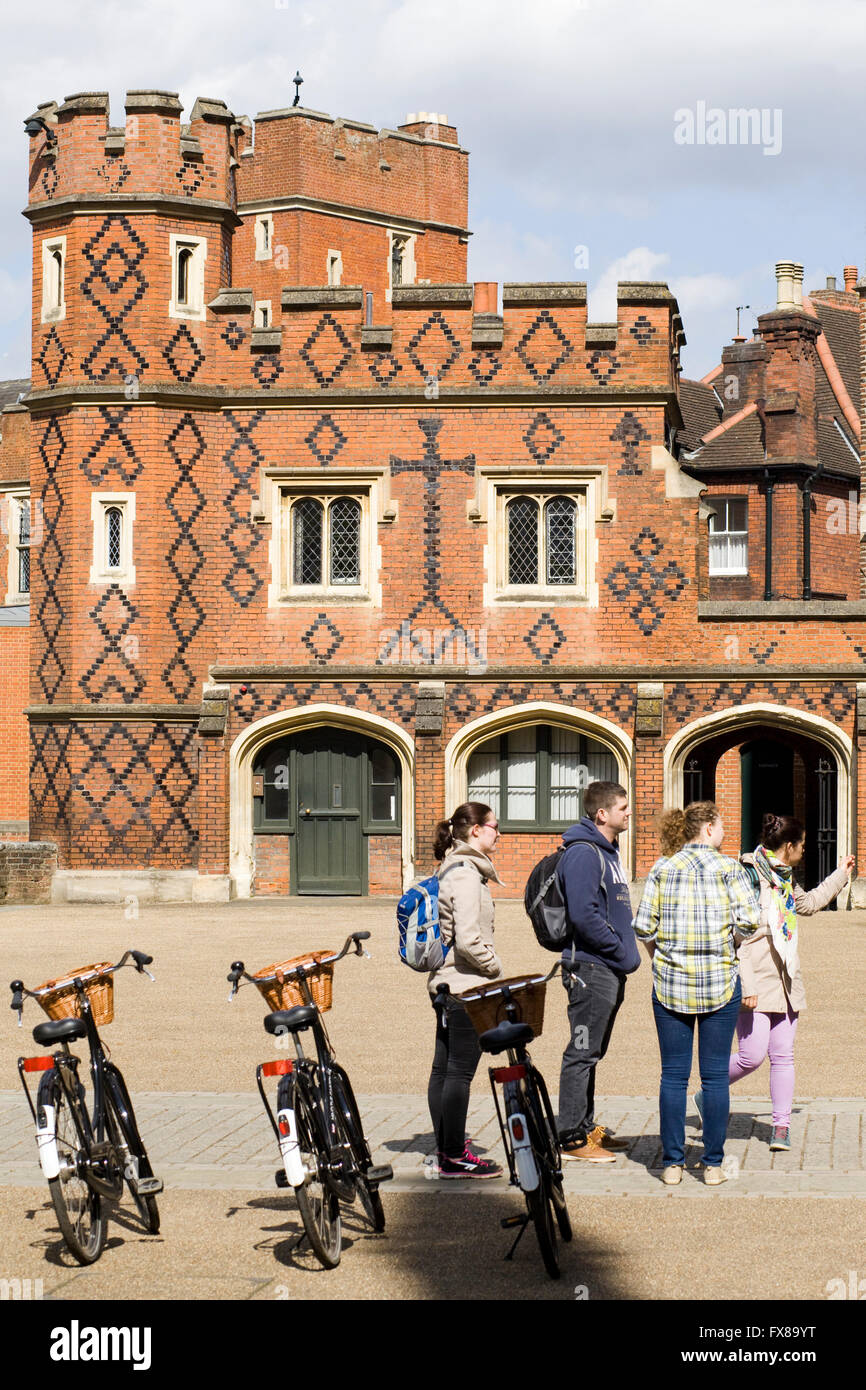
x,y
221,1141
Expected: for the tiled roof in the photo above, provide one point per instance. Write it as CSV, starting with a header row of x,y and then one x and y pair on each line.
x,y
701,412
834,452
11,390
741,446
842,331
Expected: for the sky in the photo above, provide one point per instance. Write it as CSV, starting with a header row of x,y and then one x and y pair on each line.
x,y
602,144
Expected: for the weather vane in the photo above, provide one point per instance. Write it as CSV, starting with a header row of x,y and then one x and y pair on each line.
x,y
298,81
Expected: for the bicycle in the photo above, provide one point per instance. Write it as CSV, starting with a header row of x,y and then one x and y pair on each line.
x,y
325,1156
526,1121
85,1157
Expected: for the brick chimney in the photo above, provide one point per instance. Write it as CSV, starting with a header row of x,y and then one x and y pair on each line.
x,y
789,335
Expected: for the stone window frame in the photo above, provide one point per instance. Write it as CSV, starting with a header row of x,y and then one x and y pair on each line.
x,y
263,231
12,499
280,487
408,260
195,306
100,571
495,486
53,311
263,314
334,267
713,502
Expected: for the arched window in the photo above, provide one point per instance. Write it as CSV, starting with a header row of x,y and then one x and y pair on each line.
x,y
184,264
345,538
307,541
535,776
113,538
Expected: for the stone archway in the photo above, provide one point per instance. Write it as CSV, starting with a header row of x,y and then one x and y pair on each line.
x,y
256,736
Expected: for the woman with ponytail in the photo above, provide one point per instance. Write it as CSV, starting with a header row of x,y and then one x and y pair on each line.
x,y
773,993
464,845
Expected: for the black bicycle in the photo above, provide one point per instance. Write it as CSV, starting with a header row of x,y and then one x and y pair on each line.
x,y
85,1156
529,1132
326,1158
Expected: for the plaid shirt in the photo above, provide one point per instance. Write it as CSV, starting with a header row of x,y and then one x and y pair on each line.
x,y
691,907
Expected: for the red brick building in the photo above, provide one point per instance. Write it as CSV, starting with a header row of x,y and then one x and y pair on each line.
x,y
321,540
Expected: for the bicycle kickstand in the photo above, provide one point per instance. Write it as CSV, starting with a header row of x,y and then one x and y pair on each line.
x,y
509,1221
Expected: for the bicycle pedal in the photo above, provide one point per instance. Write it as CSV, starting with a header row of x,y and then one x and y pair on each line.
x,y
280,1178
383,1173
508,1222
145,1185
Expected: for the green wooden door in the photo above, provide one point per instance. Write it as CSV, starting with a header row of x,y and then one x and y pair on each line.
x,y
330,848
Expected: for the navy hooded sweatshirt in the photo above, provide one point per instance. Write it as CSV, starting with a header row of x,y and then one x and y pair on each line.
x,y
613,945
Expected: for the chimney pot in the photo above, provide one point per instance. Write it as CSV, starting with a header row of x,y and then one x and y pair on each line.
x,y
831,282
486,296
850,273
798,285
785,285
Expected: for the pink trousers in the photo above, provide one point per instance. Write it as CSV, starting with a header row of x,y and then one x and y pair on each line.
x,y
762,1034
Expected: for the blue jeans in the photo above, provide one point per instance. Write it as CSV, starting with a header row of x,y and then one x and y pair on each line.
x,y
715,1035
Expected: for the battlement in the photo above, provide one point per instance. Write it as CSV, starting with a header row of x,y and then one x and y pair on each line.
x,y
82,156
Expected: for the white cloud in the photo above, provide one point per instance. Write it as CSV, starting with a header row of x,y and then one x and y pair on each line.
x,y
638,264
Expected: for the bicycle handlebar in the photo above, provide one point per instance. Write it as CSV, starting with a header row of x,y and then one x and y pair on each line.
x,y
238,970
19,992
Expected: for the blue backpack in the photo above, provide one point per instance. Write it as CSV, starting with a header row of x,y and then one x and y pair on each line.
x,y
419,943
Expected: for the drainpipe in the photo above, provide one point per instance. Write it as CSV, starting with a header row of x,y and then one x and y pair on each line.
x,y
807,532
768,535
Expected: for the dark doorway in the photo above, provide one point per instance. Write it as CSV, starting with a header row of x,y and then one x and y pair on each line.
x,y
767,773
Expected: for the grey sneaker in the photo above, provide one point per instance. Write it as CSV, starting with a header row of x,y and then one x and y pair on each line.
x,y
781,1140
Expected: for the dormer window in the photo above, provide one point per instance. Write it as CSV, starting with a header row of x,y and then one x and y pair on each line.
x,y
188,255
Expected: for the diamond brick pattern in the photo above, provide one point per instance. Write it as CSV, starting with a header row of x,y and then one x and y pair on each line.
x,y
642,330
484,366
761,654
114,172
242,459
395,701
434,348
50,611
114,284
649,586
545,638
185,558
614,702
267,369
603,366
629,434
322,639
325,440
50,179
233,335
115,671
51,777
544,348
686,702
191,175
52,357
327,351
385,368
112,455
183,354
542,438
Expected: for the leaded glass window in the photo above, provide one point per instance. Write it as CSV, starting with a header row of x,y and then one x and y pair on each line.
x,y
113,538
522,515
345,534
560,518
307,541
24,546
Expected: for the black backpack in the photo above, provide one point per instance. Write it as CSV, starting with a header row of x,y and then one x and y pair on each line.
x,y
545,903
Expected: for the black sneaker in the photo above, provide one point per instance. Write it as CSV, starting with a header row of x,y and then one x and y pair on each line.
x,y
469,1165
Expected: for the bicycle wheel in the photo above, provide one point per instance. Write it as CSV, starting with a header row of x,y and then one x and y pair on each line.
x,y
77,1207
120,1117
317,1204
553,1157
346,1107
539,1202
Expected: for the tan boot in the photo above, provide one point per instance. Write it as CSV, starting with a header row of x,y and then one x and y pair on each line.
x,y
605,1140
589,1152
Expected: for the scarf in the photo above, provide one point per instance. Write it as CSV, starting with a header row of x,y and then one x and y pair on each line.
x,y
781,914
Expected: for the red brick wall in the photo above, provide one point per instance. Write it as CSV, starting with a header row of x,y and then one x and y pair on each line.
x,y
271,876
729,797
14,445
385,871
14,742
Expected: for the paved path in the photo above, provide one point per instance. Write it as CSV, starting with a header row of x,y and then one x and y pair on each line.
x,y
222,1141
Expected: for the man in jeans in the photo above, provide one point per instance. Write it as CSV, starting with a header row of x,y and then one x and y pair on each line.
x,y
605,951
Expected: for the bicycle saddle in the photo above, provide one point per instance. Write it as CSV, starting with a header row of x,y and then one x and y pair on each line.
x,y
505,1035
291,1020
59,1030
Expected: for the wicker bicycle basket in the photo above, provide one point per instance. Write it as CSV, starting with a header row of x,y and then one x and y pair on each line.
x,y
61,999
486,1005
285,994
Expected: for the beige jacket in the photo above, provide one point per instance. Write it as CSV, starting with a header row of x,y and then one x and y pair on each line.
x,y
762,971
466,920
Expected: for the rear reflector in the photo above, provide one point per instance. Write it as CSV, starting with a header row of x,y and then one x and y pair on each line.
x,y
283,1127
282,1067
517,1128
509,1073
37,1063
